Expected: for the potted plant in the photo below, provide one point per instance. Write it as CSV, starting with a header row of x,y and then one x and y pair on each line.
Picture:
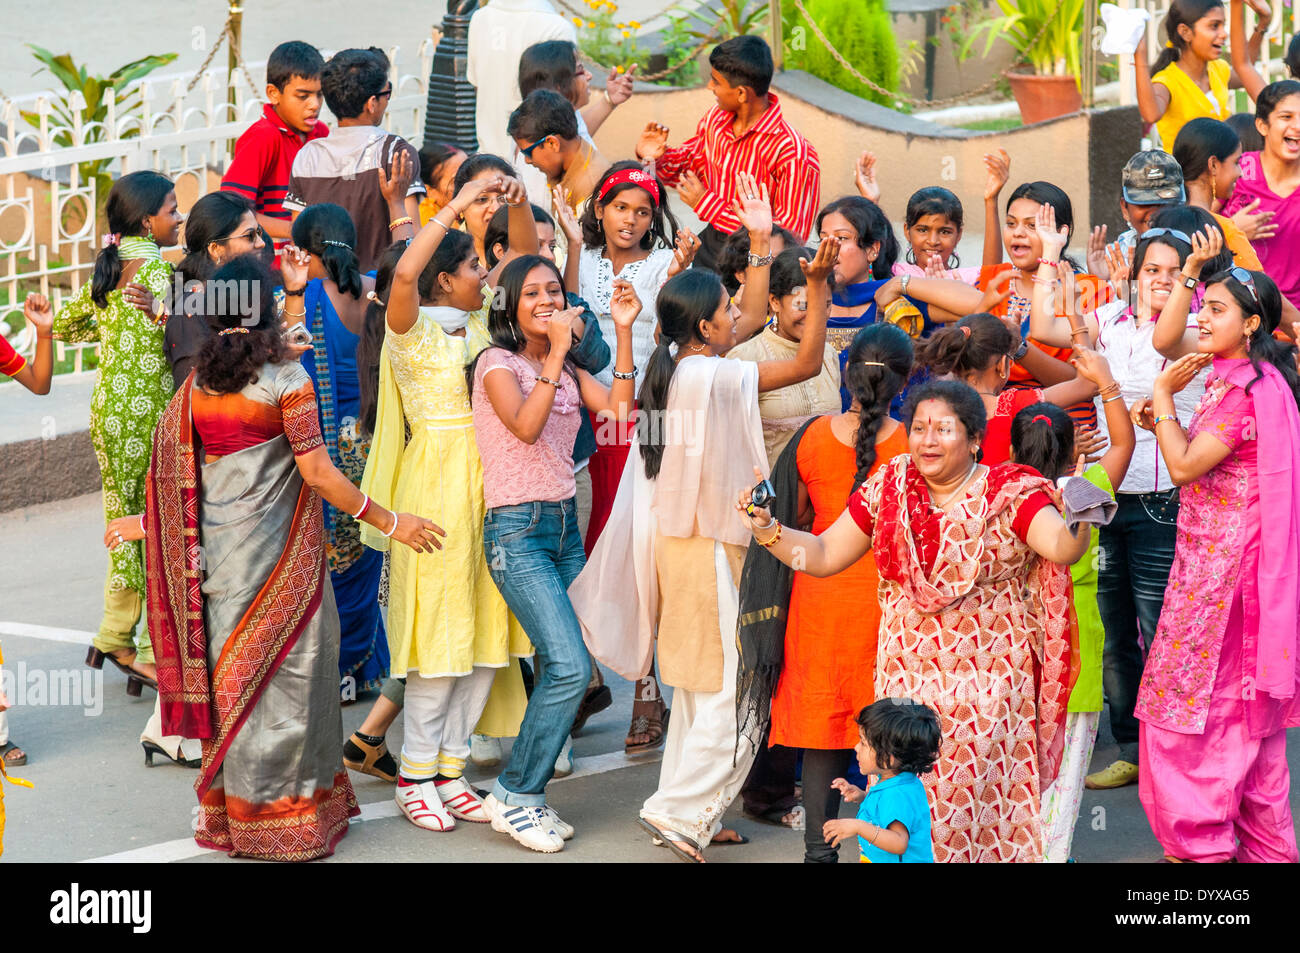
x,y
1048,35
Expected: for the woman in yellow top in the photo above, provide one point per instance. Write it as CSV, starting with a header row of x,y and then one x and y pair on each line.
x,y
1189,79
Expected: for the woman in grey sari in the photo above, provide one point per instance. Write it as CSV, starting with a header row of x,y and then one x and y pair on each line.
x,y
247,630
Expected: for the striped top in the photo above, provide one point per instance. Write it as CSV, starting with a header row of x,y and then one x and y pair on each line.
x,y
771,150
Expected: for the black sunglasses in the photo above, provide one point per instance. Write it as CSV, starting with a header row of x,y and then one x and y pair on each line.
x,y
1244,277
527,151
385,93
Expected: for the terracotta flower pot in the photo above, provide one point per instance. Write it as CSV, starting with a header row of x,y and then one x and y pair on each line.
x,y
1044,97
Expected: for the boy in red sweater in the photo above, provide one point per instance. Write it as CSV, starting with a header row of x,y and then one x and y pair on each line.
x,y
264,154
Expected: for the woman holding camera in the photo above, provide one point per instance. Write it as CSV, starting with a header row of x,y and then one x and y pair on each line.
x,y
699,429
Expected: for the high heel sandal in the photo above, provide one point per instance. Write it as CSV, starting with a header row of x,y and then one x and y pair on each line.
x,y
151,749
135,681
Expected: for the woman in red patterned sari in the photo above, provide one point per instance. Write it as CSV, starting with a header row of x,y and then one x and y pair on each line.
x,y
246,634
976,620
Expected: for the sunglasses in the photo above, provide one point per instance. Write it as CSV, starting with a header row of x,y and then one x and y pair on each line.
x,y
1244,277
1171,232
385,93
527,152
248,236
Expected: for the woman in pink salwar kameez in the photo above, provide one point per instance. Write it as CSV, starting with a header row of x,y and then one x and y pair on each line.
x,y
1220,685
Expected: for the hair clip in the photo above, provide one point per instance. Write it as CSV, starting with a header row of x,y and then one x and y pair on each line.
x,y
237,330
1043,417
872,363
109,239
330,241
965,329
371,296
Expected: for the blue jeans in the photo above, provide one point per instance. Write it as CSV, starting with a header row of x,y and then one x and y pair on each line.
x,y
1137,552
534,552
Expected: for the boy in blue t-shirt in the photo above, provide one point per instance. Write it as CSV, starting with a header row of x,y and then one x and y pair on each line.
x,y
898,739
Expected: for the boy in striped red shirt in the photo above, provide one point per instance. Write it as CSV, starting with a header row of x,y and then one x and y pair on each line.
x,y
744,132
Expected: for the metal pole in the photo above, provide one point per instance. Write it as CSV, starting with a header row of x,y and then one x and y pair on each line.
x,y
449,109
777,41
1088,63
232,63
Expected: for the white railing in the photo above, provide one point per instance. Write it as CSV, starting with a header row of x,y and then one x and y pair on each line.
x,y
183,135
1271,67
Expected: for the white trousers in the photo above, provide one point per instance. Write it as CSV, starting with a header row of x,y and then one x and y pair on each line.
x,y
439,715
698,780
178,747
1061,800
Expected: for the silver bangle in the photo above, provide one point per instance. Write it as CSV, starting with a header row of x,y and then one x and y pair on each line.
x,y
394,529
771,521
625,375
364,503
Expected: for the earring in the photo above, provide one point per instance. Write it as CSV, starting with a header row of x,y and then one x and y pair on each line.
x,y
1214,192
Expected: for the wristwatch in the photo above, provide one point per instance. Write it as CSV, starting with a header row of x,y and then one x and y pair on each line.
x,y
759,261
1189,282
1021,351
902,284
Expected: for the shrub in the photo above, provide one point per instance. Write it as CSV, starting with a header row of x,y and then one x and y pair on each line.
x,y
860,30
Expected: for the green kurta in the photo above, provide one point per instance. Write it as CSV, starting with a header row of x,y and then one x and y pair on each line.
x,y
133,387
1086,694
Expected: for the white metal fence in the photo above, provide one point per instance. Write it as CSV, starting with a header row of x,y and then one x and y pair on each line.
x,y
50,247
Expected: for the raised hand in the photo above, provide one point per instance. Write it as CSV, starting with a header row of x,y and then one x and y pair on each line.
x,y
653,141
997,291
624,305
1096,260
1089,443
752,206
513,191
864,177
1263,12
999,166
1119,262
420,534
394,183
1255,224
849,792
471,191
690,188
1141,414
1092,367
758,516
1206,246
819,269
293,267
1179,374
38,311
618,86
564,215
1054,239
684,250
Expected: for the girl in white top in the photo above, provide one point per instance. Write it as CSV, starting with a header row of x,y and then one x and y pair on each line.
x,y
626,231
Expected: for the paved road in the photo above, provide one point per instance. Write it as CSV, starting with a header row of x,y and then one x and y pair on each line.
x,y
95,798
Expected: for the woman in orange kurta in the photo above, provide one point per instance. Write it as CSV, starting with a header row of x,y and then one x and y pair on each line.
x,y
830,636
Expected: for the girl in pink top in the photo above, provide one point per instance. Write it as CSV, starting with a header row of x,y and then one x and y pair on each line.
x,y
526,397
1272,176
1220,685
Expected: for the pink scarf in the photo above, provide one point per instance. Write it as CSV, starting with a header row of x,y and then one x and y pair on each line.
x,y
1277,424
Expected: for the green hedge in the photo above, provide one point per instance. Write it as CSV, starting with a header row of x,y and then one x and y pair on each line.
x,y
859,29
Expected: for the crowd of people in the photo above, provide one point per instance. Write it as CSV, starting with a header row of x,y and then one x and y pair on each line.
x,y
465,427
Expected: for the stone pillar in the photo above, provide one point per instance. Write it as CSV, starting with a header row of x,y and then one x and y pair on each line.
x,y
449,110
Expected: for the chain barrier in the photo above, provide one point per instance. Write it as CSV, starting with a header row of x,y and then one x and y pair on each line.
x,y
224,37
925,103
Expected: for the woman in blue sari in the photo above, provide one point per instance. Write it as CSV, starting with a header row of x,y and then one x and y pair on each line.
x,y
332,309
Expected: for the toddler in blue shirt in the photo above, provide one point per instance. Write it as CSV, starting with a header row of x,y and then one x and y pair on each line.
x,y
898,739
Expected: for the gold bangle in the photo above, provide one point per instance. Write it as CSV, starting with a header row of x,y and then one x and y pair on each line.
x,y
399,222
546,380
296,314
774,540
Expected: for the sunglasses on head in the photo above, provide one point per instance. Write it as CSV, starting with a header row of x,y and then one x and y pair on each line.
x,y
1245,278
527,151
1171,232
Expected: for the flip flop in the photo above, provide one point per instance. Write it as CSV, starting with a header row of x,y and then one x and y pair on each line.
x,y
644,725
730,843
596,700
773,816
672,840
16,762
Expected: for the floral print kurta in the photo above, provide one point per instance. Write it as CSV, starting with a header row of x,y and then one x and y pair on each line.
x,y
133,387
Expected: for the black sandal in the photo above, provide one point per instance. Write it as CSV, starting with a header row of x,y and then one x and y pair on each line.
x,y
374,760
596,700
14,762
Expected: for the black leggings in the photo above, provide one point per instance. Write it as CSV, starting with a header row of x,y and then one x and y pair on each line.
x,y
821,802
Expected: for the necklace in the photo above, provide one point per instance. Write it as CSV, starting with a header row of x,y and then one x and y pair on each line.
x,y
953,495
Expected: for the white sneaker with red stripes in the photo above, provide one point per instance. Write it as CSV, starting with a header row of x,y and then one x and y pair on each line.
x,y
423,807
460,800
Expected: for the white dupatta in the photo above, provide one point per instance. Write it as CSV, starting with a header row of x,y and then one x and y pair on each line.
x,y
713,437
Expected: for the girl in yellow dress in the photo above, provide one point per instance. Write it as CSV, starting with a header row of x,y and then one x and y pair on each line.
x,y
449,629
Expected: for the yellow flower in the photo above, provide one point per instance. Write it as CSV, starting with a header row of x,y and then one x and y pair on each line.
x,y
620,69
634,25
577,21
590,25
626,32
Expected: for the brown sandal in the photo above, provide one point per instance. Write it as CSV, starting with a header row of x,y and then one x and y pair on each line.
x,y
655,726
374,760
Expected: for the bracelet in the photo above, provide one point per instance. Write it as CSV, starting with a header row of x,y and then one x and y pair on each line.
x,y
546,380
612,104
394,529
399,222
1107,400
362,512
771,521
142,524
1049,264
296,314
1164,417
1074,331
1042,281
758,261
295,294
45,337
515,204
438,221
774,540
628,376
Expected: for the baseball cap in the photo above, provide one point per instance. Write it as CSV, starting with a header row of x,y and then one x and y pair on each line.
x,y
1153,178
